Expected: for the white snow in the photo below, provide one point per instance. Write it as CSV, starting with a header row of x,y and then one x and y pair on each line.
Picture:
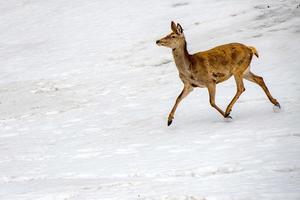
x,y
85,94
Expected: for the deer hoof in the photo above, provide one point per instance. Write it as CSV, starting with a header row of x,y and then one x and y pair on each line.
x,y
228,118
227,115
276,108
169,122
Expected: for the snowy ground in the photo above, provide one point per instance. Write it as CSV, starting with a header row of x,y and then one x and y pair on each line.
x,y
85,94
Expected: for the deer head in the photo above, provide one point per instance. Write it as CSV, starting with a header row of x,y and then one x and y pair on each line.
x,y
173,40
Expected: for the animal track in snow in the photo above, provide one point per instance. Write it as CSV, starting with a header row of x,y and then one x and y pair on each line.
x,y
286,169
180,4
183,197
206,171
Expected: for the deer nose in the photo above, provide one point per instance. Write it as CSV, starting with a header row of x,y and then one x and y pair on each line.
x,y
157,41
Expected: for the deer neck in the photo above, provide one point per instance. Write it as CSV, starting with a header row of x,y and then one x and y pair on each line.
x,y
182,60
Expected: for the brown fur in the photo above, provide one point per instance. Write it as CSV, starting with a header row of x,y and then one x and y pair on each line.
x,y
208,68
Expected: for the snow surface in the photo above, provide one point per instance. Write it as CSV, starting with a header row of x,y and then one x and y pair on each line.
x,y
85,94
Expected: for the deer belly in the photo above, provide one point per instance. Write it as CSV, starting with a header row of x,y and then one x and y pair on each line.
x,y
220,76
192,81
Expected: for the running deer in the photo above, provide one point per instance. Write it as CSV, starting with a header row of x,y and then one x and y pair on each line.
x,y
208,68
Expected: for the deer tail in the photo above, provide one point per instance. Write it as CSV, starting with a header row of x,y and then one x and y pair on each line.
x,y
253,50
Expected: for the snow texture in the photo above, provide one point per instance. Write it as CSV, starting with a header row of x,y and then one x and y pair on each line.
x,y
85,94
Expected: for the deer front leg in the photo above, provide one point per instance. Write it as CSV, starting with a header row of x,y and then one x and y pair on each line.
x,y
240,90
212,94
186,90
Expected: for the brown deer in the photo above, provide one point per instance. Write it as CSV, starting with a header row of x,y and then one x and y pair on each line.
x,y
208,68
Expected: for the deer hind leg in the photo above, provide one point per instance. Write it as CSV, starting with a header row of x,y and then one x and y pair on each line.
x,y
260,81
240,89
212,94
186,90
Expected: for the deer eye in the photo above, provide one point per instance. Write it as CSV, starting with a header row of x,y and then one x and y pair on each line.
x,y
173,36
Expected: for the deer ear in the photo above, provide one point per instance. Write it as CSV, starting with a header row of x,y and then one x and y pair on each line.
x,y
179,29
173,27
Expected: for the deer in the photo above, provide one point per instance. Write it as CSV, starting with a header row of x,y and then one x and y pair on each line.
x,y
208,68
